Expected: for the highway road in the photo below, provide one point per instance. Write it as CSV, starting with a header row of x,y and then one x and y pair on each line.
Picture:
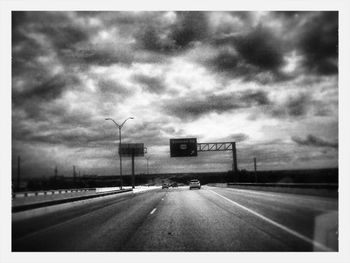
x,y
179,219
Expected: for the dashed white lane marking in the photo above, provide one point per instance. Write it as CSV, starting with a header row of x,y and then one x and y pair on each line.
x,y
153,211
162,199
290,231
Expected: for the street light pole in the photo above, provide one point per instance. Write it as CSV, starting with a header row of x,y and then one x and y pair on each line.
x,y
120,143
120,157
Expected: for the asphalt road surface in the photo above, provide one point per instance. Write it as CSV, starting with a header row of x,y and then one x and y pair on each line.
x,y
179,219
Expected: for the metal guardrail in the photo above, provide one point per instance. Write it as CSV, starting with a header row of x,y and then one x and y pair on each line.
x,y
291,185
50,192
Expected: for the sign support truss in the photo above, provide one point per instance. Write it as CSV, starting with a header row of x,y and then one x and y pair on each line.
x,y
220,147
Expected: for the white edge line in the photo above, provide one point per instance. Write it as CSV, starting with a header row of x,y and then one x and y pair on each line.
x,y
153,211
290,231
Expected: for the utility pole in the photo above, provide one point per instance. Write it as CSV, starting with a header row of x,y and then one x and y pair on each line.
x,y
255,175
18,172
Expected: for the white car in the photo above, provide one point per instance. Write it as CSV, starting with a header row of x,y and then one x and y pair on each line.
x,y
195,184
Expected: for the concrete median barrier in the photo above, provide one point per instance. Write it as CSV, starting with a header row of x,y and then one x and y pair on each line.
x,y
25,211
37,209
62,201
49,192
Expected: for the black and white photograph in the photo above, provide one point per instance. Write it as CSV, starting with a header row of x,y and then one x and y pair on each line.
x,y
174,131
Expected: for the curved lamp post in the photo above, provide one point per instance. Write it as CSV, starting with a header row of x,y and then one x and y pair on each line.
x,y
120,142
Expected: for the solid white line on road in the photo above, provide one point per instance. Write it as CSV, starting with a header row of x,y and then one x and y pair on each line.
x,y
290,231
267,193
153,211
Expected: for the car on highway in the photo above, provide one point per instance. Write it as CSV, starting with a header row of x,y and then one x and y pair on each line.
x,y
194,183
165,186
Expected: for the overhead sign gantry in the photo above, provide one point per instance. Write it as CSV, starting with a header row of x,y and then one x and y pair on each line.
x,y
188,147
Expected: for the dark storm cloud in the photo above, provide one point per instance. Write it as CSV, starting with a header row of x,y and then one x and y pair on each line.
x,y
298,106
110,88
23,60
226,61
149,38
49,89
64,36
43,89
233,24
25,48
295,106
95,56
188,28
69,138
258,53
60,117
37,36
252,97
324,109
150,84
191,27
56,27
38,33
120,26
260,48
244,16
122,18
19,18
85,56
319,43
247,55
55,123
257,49
191,108
71,129
288,14
314,141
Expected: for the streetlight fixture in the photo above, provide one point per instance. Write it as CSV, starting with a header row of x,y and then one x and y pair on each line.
x,y
120,143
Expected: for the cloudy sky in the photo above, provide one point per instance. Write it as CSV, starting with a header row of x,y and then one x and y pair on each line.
x,y
267,80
